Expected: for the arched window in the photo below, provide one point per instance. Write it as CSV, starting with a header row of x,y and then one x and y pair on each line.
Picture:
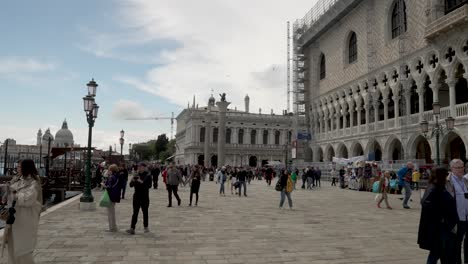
x,y
215,135
399,22
322,67
277,137
352,48
228,136
202,134
241,136
265,137
253,136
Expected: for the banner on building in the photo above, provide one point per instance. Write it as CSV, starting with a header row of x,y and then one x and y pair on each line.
x,y
304,136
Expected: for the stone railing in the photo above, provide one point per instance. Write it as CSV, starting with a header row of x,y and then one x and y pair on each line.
x,y
391,123
462,109
444,112
428,116
354,130
447,22
380,125
371,127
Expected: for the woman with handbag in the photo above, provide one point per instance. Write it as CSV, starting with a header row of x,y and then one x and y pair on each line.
x,y
25,195
113,188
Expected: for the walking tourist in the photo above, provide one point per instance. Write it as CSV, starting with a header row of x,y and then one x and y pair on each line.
x,y
113,186
221,178
194,179
123,176
405,177
25,195
438,220
310,177
142,183
155,175
286,189
234,181
318,176
415,179
241,178
457,186
174,177
342,176
333,176
384,188
294,177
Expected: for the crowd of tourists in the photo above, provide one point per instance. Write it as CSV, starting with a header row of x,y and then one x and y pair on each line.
x,y
444,207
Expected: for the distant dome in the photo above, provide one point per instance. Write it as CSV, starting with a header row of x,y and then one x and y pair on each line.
x,y
47,135
64,137
211,101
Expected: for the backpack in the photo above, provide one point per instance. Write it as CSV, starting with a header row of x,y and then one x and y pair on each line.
x,y
289,186
393,184
376,187
278,186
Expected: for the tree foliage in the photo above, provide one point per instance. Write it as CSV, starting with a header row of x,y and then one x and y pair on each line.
x,y
159,149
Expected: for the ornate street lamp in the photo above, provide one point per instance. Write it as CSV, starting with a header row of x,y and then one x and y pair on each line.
x,y
91,110
438,129
121,141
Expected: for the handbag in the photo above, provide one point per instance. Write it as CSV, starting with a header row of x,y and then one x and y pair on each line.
x,y
105,200
278,186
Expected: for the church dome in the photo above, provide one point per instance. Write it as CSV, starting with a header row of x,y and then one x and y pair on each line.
x,y
47,135
211,101
64,137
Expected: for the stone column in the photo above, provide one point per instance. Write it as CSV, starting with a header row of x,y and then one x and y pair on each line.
x,y
367,108
376,113
385,104
351,113
207,139
222,107
234,132
359,109
396,103
451,83
435,91
420,91
407,93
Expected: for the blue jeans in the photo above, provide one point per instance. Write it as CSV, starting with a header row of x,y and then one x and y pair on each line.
x,y
242,183
407,187
124,187
221,188
283,194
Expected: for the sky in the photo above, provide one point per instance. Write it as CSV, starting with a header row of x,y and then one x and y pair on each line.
x,y
149,58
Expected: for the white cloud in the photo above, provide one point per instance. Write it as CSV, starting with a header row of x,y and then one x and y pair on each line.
x,y
124,109
17,65
236,47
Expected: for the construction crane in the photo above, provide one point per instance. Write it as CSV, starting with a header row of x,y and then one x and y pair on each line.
x,y
158,118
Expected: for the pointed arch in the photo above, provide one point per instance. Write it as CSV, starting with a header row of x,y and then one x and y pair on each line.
x,y
323,72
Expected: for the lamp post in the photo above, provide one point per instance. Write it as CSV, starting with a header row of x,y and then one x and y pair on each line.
x,y
121,140
5,157
48,156
91,110
438,129
130,151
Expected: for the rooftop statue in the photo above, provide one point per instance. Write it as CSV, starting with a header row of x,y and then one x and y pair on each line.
x,y
223,97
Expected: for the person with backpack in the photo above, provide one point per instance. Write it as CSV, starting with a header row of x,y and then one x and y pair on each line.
x,y
286,184
174,178
383,189
404,180
438,222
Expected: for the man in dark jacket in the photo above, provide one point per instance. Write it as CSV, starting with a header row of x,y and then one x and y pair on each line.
x,y
174,177
241,178
142,184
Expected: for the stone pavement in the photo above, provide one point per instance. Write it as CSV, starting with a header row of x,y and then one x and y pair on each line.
x,y
328,225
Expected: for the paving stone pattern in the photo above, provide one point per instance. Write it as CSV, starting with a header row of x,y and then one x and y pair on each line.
x,y
328,225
